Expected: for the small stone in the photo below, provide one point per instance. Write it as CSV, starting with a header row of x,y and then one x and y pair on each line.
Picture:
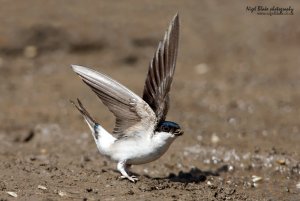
x,y
215,160
179,165
42,187
228,182
13,194
298,185
215,139
230,168
201,68
62,193
256,179
281,162
265,133
287,189
255,185
30,51
232,121
199,138
211,185
43,151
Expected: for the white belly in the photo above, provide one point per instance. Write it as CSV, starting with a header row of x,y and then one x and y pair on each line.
x,y
138,151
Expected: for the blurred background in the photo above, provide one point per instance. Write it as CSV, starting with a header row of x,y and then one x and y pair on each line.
x,y
235,93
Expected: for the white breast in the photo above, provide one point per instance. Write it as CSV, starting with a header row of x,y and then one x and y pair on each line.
x,y
139,150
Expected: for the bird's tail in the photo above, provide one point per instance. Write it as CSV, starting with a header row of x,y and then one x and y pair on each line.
x,y
87,117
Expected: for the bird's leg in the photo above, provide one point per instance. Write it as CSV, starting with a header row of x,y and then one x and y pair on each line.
x,y
122,166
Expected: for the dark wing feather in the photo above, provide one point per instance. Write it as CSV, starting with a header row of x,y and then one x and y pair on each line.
x,y
131,112
161,71
91,121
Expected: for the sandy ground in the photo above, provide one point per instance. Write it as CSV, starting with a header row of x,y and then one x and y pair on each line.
x,y
236,93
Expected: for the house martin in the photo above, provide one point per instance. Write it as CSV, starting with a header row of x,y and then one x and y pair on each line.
x,y
141,133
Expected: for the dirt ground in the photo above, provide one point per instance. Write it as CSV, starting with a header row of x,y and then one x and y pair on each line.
x,y
236,93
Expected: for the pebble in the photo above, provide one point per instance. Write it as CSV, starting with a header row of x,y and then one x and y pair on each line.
x,y
199,138
232,121
179,165
287,189
230,168
256,179
215,160
30,51
43,151
281,162
42,187
255,185
13,194
215,139
209,183
61,193
201,68
298,185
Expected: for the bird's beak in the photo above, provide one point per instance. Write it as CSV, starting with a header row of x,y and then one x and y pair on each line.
x,y
178,132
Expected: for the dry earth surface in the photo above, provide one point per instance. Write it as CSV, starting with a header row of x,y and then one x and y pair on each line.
x,y
236,93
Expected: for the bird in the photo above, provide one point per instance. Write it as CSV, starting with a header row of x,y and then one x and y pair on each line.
x,y
141,134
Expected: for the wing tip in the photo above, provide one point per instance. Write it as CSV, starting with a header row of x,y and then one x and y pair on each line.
x,y
175,20
176,16
83,71
77,68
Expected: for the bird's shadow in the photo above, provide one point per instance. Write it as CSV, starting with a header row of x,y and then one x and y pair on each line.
x,y
194,175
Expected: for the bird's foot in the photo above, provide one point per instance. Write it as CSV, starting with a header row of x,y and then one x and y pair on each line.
x,y
130,178
122,166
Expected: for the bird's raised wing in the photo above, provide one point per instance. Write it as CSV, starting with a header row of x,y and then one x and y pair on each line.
x,y
161,71
132,113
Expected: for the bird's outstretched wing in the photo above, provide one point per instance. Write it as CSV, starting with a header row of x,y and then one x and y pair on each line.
x,y
161,71
132,113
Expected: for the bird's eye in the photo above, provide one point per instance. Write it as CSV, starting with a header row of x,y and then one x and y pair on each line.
x,y
165,128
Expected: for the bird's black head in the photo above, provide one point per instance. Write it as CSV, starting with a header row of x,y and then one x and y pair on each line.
x,y
169,127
